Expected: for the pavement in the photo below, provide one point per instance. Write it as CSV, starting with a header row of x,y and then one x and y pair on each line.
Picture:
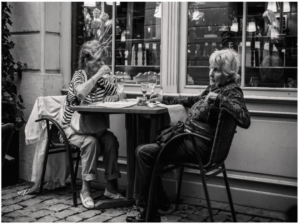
x,y
57,206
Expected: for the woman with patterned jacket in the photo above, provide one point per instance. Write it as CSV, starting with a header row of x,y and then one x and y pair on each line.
x,y
224,92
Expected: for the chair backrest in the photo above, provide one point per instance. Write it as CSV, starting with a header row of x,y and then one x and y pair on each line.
x,y
223,138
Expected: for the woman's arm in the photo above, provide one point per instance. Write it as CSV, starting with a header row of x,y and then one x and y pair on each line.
x,y
187,101
233,101
82,89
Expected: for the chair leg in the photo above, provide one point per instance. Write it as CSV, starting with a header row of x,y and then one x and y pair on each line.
x,y
44,169
77,164
73,180
179,187
229,194
207,197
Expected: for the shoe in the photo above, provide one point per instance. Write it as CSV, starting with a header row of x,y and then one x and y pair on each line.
x,y
141,217
113,196
163,203
87,202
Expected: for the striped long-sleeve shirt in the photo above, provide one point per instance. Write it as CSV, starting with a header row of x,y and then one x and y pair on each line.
x,y
101,89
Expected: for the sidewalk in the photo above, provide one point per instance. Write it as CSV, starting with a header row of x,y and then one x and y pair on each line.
x,y
57,206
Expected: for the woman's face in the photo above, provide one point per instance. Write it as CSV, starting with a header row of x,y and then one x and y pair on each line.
x,y
94,66
216,76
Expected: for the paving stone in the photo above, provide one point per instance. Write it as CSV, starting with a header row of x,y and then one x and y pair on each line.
x,y
7,219
194,218
14,214
274,215
12,201
28,196
89,214
74,218
170,218
99,218
78,209
65,196
259,219
204,212
64,213
30,202
220,218
58,207
121,218
243,218
53,201
180,213
47,218
11,208
24,219
36,207
112,212
10,196
41,213
47,196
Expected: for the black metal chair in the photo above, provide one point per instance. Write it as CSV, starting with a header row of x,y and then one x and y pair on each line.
x,y
7,133
226,128
55,146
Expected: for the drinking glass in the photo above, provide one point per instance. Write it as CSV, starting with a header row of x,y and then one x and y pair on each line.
x,y
152,81
144,86
120,84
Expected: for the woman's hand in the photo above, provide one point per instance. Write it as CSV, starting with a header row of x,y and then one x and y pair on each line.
x,y
104,70
156,97
211,96
111,98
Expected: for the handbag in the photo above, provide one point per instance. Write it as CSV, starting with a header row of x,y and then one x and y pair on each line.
x,y
89,123
169,132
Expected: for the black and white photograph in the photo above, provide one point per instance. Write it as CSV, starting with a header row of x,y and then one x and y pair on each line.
x,y
149,111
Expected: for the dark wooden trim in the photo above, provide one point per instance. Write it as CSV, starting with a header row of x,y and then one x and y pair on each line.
x,y
74,37
257,113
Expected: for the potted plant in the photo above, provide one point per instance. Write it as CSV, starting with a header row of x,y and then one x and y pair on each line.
x,y
11,102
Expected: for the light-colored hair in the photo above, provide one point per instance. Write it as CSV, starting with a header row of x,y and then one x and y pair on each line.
x,y
90,51
227,61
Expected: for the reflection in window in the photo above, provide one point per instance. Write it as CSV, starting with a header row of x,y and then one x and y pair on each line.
x,y
138,40
271,45
211,26
97,19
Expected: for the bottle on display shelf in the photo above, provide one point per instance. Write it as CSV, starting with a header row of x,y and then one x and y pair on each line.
x,y
206,51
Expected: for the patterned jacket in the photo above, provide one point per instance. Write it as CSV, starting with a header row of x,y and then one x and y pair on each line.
x,y
229,96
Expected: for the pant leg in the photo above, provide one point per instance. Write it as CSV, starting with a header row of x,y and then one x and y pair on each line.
x,y
181,149
145,159
110,150
90,152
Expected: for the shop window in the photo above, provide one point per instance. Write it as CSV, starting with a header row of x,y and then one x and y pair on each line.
x,y
270,53
211,26
271,45
137,36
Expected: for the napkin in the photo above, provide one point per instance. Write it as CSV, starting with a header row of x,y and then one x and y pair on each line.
x,y
177,112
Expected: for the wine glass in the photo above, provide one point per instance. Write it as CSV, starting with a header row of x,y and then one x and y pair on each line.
x,y
144,86
152,81
120,84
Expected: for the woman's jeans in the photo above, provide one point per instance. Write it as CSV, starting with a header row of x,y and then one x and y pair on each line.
x,y
180,150
91,147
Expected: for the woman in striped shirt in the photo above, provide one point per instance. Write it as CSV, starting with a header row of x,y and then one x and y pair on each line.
x,y
94,89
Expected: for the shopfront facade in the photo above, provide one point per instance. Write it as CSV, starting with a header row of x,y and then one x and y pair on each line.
x,y
173,41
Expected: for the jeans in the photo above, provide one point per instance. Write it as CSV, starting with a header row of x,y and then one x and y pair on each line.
x,y
180,150
91,147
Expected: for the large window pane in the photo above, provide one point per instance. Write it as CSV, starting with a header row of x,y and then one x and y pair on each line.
x,y
211,26
271,47
97,18
138,38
